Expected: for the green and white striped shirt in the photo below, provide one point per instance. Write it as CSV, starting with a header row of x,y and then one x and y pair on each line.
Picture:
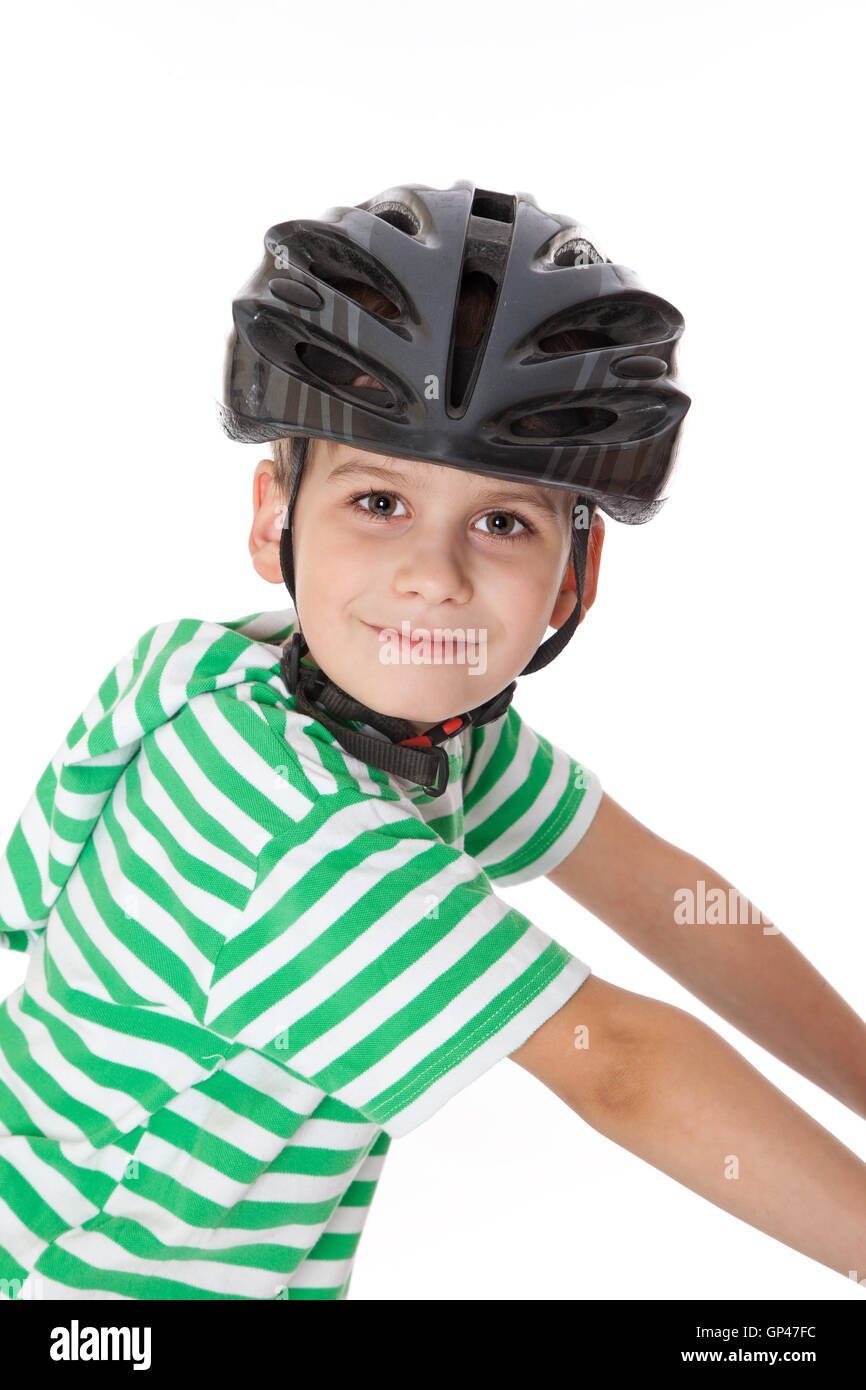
x,y
253,961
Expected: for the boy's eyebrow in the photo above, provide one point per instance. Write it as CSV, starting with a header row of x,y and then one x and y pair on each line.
x,y
537,497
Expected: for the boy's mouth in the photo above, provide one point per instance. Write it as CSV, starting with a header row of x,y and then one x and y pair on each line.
x,y
416,634
420,634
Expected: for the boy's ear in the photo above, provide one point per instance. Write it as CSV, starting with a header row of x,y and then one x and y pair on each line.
x,y
593,563
266,530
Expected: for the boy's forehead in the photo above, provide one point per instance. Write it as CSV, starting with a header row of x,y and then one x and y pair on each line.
x,y
337,459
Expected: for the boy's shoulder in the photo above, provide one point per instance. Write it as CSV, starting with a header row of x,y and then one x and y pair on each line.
x,y
217,699
243,724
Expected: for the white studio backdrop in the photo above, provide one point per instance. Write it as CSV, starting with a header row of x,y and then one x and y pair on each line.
x,y
716,686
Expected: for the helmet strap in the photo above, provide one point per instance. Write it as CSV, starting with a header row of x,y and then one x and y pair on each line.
x,y
426,764
554,645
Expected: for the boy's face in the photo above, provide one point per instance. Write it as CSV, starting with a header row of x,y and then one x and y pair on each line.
x,y
475,568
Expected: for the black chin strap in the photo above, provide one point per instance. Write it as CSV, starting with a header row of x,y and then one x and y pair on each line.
x,y
417,757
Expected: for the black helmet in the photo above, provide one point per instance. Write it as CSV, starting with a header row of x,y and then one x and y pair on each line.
x,y
602,418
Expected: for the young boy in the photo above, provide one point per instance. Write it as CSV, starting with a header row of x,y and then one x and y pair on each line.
x,y
257,887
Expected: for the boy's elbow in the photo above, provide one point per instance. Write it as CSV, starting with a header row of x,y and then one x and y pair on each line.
x,y
603,1052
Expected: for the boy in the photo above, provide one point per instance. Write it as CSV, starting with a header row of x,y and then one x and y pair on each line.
x,y
263,932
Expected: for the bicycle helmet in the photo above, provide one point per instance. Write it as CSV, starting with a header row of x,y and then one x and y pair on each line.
x,y
602,418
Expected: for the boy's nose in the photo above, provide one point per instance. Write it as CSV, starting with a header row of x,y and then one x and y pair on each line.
x,y
432,567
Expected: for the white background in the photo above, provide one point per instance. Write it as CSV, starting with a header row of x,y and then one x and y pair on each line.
x,y
716,686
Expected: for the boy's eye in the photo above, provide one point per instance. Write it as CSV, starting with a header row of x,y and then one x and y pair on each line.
x,y
507,517
506,525
376,509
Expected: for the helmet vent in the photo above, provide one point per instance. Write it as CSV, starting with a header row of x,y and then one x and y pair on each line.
x,y
619,321
472,318
579,251
345,267
338,371
497,207
577,340
563,424
399,216
368,296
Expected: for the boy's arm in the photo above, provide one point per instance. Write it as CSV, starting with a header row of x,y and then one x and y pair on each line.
x,y
743,967
665,1086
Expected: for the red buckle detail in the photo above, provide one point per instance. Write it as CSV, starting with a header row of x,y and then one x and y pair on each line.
x,y
423,740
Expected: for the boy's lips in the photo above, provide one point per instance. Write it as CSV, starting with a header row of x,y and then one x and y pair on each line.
x,y
420,633
395,627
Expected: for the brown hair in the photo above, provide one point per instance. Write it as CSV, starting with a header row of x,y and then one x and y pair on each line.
x,y
472,315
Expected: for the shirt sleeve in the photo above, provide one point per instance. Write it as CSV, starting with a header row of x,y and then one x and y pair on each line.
x,y
526,802
376,962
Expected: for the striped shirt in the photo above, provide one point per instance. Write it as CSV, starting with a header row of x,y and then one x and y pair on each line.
x,y
253,961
